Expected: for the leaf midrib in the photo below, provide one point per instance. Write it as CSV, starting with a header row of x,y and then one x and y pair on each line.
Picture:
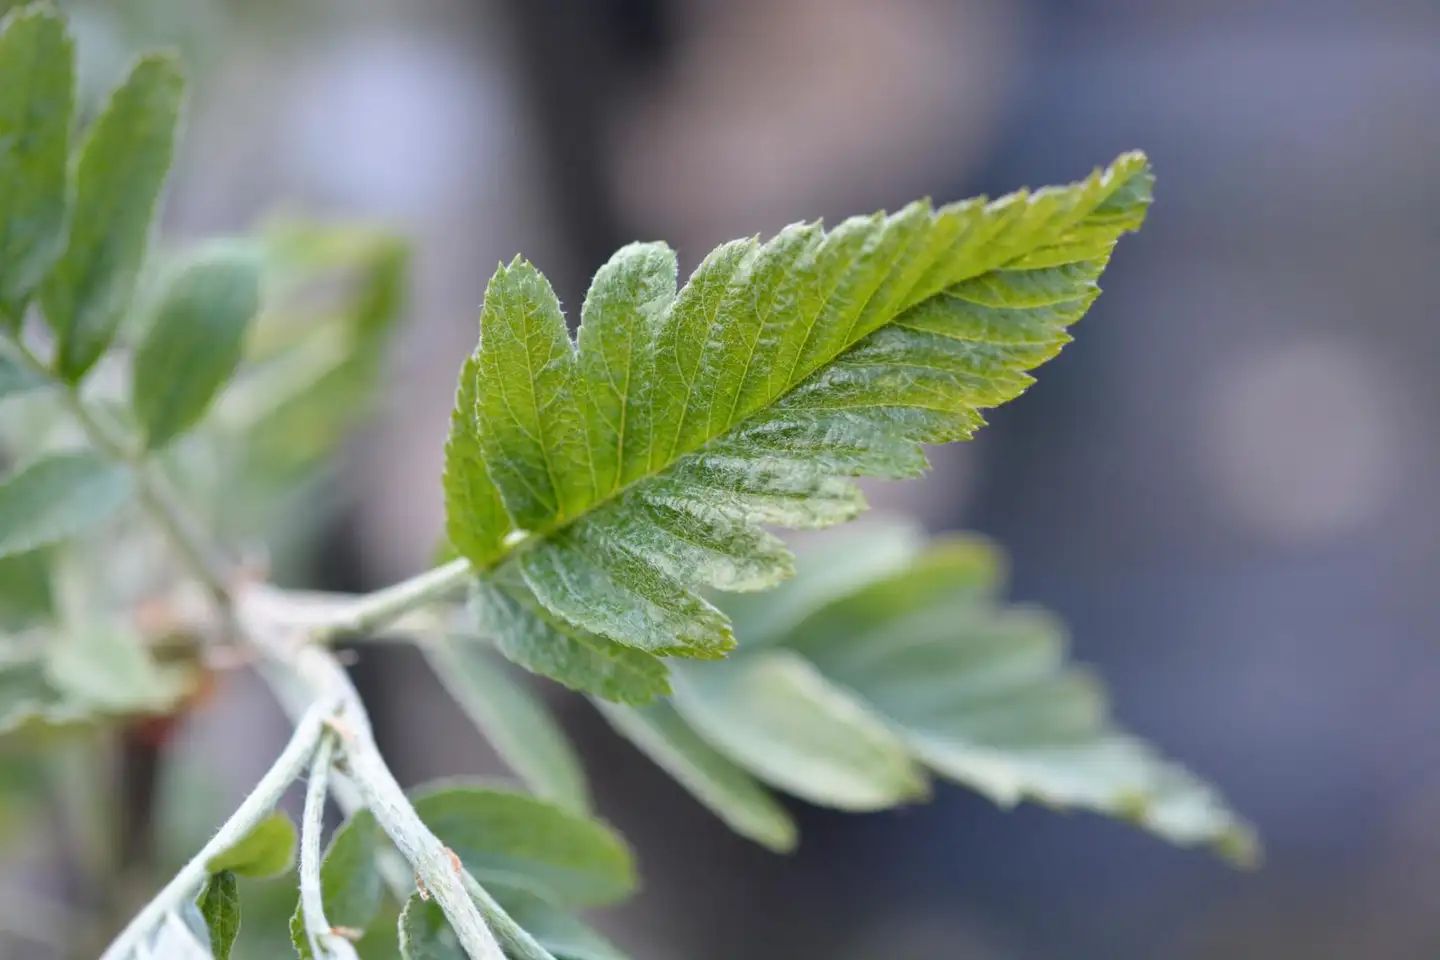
x,y
533,538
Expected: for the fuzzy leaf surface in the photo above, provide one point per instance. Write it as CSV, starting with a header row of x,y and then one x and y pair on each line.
x,y
624,472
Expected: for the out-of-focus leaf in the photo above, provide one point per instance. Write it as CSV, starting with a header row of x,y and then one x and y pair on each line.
x,y
16,378
511,840
176,940
514,721
37,100
320,375
219,903
712,778
121,170
194,344
556,930
26,692
266,851
984,695
779,718
25,595
58,497
853,556
107,671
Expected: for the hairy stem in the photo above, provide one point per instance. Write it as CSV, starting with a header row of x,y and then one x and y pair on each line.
x,y
313,668
255,808
383,607
436,867
325,944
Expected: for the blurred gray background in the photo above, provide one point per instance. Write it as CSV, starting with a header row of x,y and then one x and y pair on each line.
x,y
1227,485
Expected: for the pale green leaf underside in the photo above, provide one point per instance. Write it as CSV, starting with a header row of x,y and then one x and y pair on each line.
x,y
977,692
514,721
714,779
779,718
622,474
58,497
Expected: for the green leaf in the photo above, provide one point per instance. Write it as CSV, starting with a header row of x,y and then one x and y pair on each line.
x,y
712,778
559,932
853,556
349,880
58,497
983,695
25,594
583,661
514,721
16,378
266,851
299,938
195,342
37,100
119,175
642,464
513,841
425,934
26,693
100,670
312,379
475,519
219,903
350,883
776,716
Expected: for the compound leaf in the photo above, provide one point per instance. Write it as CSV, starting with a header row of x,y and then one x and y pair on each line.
x,y
983,694
118,178
621,473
